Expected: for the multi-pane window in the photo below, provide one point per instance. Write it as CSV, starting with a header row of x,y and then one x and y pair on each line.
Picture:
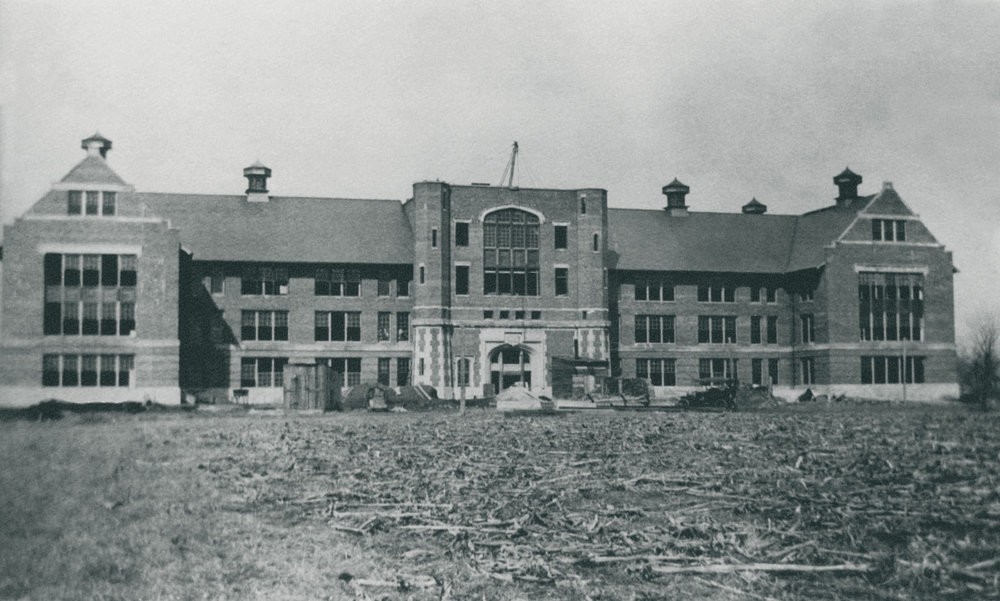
x,y
561,237
889,370
384,327
808,328
262,372
660,372
654,328
717,368
562,281
89,295
384,281
338,326
510,253
402,327
716,329
772,329
889,230
403,371
755,337
654,290
808,370
264,325
338,282
88,370
891,306
348,367
265,280
461,280
384,363
92,202
716,294
461,233
463,371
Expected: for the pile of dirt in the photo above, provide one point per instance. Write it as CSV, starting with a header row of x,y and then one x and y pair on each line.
x,y
517,398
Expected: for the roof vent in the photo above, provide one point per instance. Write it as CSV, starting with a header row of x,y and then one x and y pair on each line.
x,y
754,207
257,175
847,182
96,145
675,192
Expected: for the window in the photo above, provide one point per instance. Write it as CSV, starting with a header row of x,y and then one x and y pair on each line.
x,y
262,372
338,326
434,237
461,233
462,280
107,294
384,328
716,329
462,367
772,371
772,329
561,238
562,281
92,202
75,203
756,372
265,281
264,325
336,282
890,306
888,370
772,295
520,314
808,331
349,369
420,366
422,274
536,315
889,230
654,290
510,253
755,329
93,199
217,282
402,371
807,295
403,285
487,314
597,242
716,294
660,372
87,370
808,371
109,204
654,328
402,327
383,283
583,205
754,294
384,364
504,314
717,368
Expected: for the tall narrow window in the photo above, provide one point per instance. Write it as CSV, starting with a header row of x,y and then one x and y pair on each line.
x,y
383,283
50,370
383,326
583,205
109,204
383,370
461,233
756,372
422,274
808,371
562,281
75,203
755,329
402,327
461,280
597,242
403,371
93,198
808,332
434,238
772,371
772,329
561,237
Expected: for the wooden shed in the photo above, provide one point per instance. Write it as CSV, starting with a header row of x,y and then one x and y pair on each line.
x,y
309,385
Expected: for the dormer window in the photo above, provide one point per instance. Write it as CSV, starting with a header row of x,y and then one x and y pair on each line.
x,y
92,203
888,230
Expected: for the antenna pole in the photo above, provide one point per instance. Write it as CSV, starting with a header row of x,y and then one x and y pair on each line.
x,y
513,162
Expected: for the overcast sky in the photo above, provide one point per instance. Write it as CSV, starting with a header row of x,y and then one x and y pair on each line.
x,y
361,99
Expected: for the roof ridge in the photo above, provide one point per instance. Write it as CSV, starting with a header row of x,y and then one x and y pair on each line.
x,y
273,196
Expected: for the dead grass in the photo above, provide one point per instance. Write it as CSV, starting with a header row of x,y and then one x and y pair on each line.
x,y
906,501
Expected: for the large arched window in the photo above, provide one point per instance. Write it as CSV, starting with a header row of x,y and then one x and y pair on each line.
x,y
510,253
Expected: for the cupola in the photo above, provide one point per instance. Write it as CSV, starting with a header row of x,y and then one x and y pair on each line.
x,y
754,207
96,145
675,192
847,183
257,175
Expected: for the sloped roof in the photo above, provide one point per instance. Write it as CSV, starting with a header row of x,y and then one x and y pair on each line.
x,y
648,240
286,229
92,170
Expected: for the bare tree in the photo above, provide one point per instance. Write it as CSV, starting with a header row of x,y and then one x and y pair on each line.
x,y
983,363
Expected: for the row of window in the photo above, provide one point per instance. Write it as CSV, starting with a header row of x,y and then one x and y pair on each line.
x,y
663,290
336,326
88,370
90,271
890,306
508,314
717,329
89,318
92,202
273,281
496,231
889,230
264,372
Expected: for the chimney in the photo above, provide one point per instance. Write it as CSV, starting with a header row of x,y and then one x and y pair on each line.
x,y
96,145
257,175
847,182
754,207
675,192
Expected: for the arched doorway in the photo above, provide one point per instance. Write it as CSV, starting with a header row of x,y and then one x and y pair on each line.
x,y
509,366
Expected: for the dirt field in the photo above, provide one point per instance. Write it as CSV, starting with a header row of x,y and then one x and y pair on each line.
x,y
820,502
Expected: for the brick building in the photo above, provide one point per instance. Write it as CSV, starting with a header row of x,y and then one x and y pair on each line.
x,y
113,294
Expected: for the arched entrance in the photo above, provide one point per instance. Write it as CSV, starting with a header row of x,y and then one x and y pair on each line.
x,y
509,366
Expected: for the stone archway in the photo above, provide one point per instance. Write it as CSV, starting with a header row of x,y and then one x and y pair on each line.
x,y
509,366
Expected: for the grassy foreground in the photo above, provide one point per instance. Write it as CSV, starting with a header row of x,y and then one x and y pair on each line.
x,y
824,502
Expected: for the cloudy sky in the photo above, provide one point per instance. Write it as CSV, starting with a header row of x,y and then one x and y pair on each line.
x,y
360,99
